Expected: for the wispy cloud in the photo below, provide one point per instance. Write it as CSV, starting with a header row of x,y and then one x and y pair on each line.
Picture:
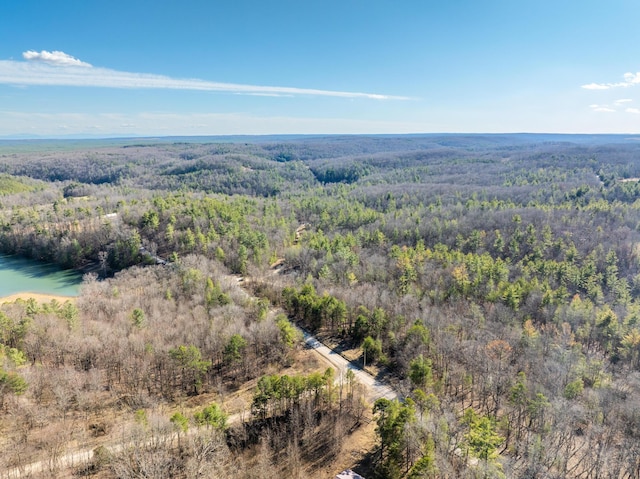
x,y
266,94
630,79
60,69
616,107
595,86
604,109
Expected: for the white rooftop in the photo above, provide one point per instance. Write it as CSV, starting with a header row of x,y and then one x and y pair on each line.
x,y
349,474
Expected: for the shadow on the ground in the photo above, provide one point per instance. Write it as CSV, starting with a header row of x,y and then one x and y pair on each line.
x,y
366,467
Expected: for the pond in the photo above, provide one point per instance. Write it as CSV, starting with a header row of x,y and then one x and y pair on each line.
x,y
21,275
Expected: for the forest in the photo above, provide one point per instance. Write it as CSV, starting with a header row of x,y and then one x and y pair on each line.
x,y
492,280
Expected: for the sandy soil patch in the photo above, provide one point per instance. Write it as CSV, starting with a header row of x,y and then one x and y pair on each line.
x,y
40,298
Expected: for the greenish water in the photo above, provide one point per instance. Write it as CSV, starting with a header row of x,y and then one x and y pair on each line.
x,y
21,275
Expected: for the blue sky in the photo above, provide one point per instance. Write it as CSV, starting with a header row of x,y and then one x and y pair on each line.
x,y
84,67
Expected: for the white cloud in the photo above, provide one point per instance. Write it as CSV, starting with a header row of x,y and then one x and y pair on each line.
x,y
265,94
596,86
45,70
54,58
602,108
616,107
630,79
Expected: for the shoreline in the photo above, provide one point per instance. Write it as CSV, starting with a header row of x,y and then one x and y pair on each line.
x,y
39,297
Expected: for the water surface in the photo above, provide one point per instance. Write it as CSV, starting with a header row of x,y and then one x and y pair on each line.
x,y
21,275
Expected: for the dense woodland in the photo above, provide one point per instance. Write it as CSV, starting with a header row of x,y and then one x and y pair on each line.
x,y
495,279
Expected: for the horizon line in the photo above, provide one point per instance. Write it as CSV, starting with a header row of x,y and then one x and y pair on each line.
x,y
115,136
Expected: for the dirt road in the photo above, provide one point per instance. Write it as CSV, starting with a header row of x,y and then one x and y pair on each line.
x,y
375,388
